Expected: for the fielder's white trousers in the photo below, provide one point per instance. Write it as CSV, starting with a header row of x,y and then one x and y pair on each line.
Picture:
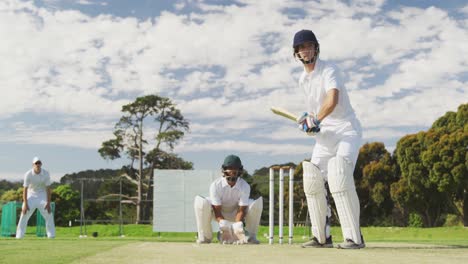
x,y
36,202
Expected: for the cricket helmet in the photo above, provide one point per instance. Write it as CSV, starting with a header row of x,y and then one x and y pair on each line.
x,y
232,161
304,36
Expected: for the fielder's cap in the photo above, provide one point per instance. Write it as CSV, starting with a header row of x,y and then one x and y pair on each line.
x,y
36,159
232,161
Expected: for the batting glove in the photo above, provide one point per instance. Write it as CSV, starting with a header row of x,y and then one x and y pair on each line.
x,y
309,124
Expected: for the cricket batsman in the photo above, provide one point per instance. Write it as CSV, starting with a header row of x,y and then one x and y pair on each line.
x,y
332,121
238,216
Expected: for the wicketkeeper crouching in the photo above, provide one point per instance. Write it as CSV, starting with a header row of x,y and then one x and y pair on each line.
x,y
229,204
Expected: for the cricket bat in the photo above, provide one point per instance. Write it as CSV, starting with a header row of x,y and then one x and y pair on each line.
x,y
284,113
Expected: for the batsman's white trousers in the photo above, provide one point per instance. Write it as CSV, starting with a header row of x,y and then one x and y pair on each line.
x,y
36,202
344,142
204,215
341,183
341,144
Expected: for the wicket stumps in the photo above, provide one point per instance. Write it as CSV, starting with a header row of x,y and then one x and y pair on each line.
x,y
281,202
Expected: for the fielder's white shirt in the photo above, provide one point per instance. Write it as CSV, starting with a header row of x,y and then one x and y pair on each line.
x,y
230,198
316,84
37,183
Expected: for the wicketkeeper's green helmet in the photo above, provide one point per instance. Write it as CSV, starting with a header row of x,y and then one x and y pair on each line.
x,y
232,161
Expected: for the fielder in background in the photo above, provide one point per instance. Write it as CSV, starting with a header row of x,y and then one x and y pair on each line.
x,y
36,195
230,206
331,119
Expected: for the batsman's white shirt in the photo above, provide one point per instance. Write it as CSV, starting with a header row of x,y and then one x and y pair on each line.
x,y
341,131
230,198
37,183
316,84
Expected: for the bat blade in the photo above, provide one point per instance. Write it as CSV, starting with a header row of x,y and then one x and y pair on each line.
x,y
284,113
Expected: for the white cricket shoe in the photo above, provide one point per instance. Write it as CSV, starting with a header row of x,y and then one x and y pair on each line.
x,y
314,243
203,241
253,240
350,244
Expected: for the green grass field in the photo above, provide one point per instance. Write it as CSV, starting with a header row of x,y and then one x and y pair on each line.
x,y
140,245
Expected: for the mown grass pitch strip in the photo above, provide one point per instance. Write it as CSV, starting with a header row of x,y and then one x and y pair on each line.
x,y
135,251
149,252
140,245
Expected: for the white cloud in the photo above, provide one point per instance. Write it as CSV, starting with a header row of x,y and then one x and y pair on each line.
x,y
179,5
285,133
379,134
247,147
85,135
85,2
81,139
464,10
226,65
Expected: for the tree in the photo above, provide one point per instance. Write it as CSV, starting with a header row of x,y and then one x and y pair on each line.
x,y
6,185
119,192
13,195
447,159
414,192
129,136
67,204
374,173
92,179
434,174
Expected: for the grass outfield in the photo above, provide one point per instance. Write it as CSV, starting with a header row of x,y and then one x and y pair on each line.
x,y
447,244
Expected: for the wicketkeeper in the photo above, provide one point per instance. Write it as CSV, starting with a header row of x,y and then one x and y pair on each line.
x,y
331,119
238,216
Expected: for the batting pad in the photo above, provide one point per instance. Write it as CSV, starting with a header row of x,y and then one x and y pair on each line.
x,y
341,183
252,219
203,217
314,189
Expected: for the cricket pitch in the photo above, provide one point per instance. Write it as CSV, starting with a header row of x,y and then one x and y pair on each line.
x,y
151,252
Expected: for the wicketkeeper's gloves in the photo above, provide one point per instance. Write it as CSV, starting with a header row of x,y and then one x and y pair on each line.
x,y
240,233
226,235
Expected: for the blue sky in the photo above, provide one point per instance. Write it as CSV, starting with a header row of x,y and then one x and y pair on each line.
x,y
68,66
